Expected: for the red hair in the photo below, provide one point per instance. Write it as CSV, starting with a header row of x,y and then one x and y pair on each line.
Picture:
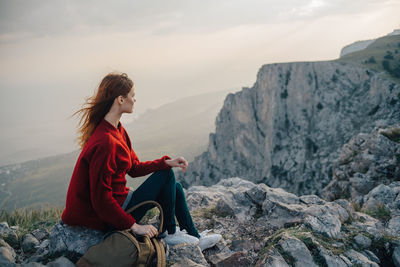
x,y
98,105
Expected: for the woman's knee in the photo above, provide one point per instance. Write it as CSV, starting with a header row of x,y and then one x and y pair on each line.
x,y
179,188
168,175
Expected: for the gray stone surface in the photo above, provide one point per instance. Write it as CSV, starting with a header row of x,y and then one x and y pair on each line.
x,y
64,238
60,262
331,259
8,234
362,241
6,256
367,169
29,244
183,253
396,256
287,130
297,250
40,234
273,259
358,258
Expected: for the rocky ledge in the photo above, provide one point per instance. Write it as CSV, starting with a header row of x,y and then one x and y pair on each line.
x,y
260,225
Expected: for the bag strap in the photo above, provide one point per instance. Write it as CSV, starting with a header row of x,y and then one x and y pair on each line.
x,y
155,204
161,259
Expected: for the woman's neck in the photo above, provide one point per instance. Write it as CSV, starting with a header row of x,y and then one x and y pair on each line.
x,y
113,118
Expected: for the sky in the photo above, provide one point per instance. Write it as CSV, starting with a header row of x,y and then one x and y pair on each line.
x,y
54,53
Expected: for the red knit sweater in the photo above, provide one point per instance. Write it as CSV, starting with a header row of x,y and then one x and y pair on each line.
x,y
97,188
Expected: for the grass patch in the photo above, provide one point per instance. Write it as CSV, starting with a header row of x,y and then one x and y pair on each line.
x,y
30,220
381,212
209,213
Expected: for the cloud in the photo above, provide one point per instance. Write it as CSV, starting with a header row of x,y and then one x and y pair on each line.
x,y
21,19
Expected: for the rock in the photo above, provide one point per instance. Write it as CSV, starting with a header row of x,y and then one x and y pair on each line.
x,y
324,223
241,244
394,225
42,252
61,262
362,241
40,234
296,249
358,258
73,239
187,263
182,253
218,257
32,264
228,191
273,259
381,194
8,247
225,208
30,243
6,256
396,256
8,235
331,259
370,255
311,199
238,259
367,164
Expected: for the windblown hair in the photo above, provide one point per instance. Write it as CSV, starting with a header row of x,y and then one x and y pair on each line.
x,y
97,106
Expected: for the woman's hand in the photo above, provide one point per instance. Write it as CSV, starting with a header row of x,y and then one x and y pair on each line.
x,y
178,162
146,229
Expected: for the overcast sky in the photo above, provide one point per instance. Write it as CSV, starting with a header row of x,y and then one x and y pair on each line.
x,y
54,53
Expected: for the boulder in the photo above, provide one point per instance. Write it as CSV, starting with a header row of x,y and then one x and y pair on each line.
x,y
72,239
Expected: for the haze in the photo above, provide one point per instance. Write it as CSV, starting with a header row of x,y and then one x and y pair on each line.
x,y
53,54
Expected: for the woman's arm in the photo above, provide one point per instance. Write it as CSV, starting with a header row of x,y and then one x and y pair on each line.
x,y
141,168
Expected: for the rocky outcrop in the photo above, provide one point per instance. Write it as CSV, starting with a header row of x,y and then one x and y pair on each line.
x,y
367,161
260,225
367,173
289,127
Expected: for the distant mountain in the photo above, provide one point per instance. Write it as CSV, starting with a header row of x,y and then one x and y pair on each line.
x,y
360,45
177,128
180,128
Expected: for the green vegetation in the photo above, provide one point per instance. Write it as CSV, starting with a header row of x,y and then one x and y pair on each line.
x,y
356,206
28,219
379,56
381,212
286,255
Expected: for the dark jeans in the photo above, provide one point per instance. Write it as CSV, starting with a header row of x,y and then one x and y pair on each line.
x,y
162,187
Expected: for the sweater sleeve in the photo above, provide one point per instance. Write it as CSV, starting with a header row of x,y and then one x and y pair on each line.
x,y
101,169
141,168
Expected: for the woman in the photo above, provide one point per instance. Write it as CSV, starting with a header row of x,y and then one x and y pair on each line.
x,y
97,195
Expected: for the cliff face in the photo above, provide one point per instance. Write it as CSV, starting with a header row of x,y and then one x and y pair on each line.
x,y
287,129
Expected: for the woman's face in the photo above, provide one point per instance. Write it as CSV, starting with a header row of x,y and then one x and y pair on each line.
x,y
129,102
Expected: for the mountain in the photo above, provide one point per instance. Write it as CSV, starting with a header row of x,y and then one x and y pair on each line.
x,y
360,45
286,130
178,128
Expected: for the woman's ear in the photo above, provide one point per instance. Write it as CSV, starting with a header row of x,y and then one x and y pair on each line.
x,y
120,99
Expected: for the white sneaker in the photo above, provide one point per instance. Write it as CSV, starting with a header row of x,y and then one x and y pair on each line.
x,y
180,237
208,240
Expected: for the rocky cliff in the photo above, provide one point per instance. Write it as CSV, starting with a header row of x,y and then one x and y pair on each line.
x,y
287,129
260,225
